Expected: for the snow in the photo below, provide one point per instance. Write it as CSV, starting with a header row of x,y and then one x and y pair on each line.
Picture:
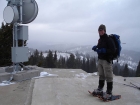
x,y
73,71
62,54
6,83
75,49
82,75
45,74
130,67
45,54
126,57
42,74
65,55
131,64
95,73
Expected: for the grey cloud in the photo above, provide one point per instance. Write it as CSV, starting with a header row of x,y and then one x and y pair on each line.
x,y
77,21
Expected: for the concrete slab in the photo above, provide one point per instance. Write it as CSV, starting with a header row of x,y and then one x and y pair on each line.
x,y
73,91
5,76
65,73
10,69
24,75
15,94
2,70
68,88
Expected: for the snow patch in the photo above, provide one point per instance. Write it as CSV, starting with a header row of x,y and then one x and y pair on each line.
x,y
82,75
95,73
45,74
6,83
73,71
65,55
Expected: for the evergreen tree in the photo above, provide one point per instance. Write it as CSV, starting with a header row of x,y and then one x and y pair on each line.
x,y
41,59
31,59
60,62
55,59
36,57
84,64
121,72
78,62
115,70
87,66
55,56
91,65
50,61
126,71
6,42
63,62
138,70
132,73
71,61
45,62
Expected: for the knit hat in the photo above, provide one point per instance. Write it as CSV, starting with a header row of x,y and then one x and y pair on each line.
x,y
102,27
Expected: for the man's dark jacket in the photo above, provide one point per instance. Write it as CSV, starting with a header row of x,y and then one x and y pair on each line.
x,y
109,45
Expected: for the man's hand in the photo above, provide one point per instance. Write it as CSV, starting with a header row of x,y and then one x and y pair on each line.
x,y
101,50
94,48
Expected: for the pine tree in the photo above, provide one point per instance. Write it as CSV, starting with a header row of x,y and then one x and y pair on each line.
x,y
36,57
78,62
115,70
94,65
138,70
45,62
84,64
71,61
60,62
126,71
87,66
50,61
55,59
31,60
41,59
63,62
6,42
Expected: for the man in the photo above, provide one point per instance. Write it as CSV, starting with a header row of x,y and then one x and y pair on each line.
x,y
105,49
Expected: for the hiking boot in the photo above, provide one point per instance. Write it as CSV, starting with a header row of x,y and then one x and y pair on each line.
x,y
97,92
106,96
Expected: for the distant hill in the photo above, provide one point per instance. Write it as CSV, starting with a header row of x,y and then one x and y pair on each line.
x,y
127,56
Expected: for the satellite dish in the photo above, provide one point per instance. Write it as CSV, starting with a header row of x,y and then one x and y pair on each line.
x,y
30,11
10,14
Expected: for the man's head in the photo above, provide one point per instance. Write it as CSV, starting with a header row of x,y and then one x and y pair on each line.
x,y
102,29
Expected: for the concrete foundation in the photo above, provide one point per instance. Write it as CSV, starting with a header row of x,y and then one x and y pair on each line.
x,y
24,75
4,76
10,69
2,70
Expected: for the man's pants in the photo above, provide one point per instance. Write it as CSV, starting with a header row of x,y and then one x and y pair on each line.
x,y
105,70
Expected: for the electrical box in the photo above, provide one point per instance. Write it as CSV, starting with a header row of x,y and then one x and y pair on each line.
x,y
20,54
22,32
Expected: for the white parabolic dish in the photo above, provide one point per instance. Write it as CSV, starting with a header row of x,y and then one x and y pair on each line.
x,y
29,12
10,14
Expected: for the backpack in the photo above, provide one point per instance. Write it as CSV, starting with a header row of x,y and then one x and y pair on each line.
x,y
116,39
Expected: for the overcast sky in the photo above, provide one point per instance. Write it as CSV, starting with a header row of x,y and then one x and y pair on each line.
x,y
77,21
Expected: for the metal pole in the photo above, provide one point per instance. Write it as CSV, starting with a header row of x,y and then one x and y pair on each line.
x,y
22,43
16,38
13,35
21,11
